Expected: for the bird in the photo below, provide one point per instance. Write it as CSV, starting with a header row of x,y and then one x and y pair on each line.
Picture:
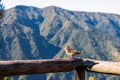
x,y
71,52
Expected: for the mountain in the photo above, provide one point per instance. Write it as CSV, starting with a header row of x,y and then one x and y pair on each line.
x,y
33,33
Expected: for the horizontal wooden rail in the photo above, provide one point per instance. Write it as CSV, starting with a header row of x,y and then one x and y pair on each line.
x,y
107,67
21,67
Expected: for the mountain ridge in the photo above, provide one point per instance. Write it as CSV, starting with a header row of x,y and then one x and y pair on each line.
x,y
41,33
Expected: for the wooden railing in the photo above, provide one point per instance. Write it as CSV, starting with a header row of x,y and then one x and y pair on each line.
x,y
21,67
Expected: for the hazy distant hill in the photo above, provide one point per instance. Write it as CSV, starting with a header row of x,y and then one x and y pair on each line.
x,y
33,33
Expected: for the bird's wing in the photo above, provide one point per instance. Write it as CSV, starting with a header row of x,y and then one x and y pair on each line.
x,y
74,51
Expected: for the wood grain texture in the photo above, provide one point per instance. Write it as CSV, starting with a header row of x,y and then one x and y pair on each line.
x,y
21,67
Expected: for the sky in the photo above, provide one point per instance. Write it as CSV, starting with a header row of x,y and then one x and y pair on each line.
x,y
106,6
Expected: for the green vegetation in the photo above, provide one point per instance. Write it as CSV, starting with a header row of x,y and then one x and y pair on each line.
x,y
1,10
1,16
7,78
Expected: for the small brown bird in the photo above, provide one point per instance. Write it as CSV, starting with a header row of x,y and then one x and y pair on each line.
x,y
71,52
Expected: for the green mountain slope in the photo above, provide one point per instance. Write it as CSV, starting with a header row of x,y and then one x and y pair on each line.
x,y
33,33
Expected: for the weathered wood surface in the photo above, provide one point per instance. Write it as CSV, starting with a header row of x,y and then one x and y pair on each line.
x,y
107,67
21,67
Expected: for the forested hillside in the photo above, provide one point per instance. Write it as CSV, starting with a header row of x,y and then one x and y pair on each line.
x,y
34,33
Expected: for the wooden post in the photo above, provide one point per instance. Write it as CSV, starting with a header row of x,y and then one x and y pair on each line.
x,y
80,73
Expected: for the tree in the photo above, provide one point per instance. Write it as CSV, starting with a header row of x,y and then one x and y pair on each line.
x,y
1,10
1,16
